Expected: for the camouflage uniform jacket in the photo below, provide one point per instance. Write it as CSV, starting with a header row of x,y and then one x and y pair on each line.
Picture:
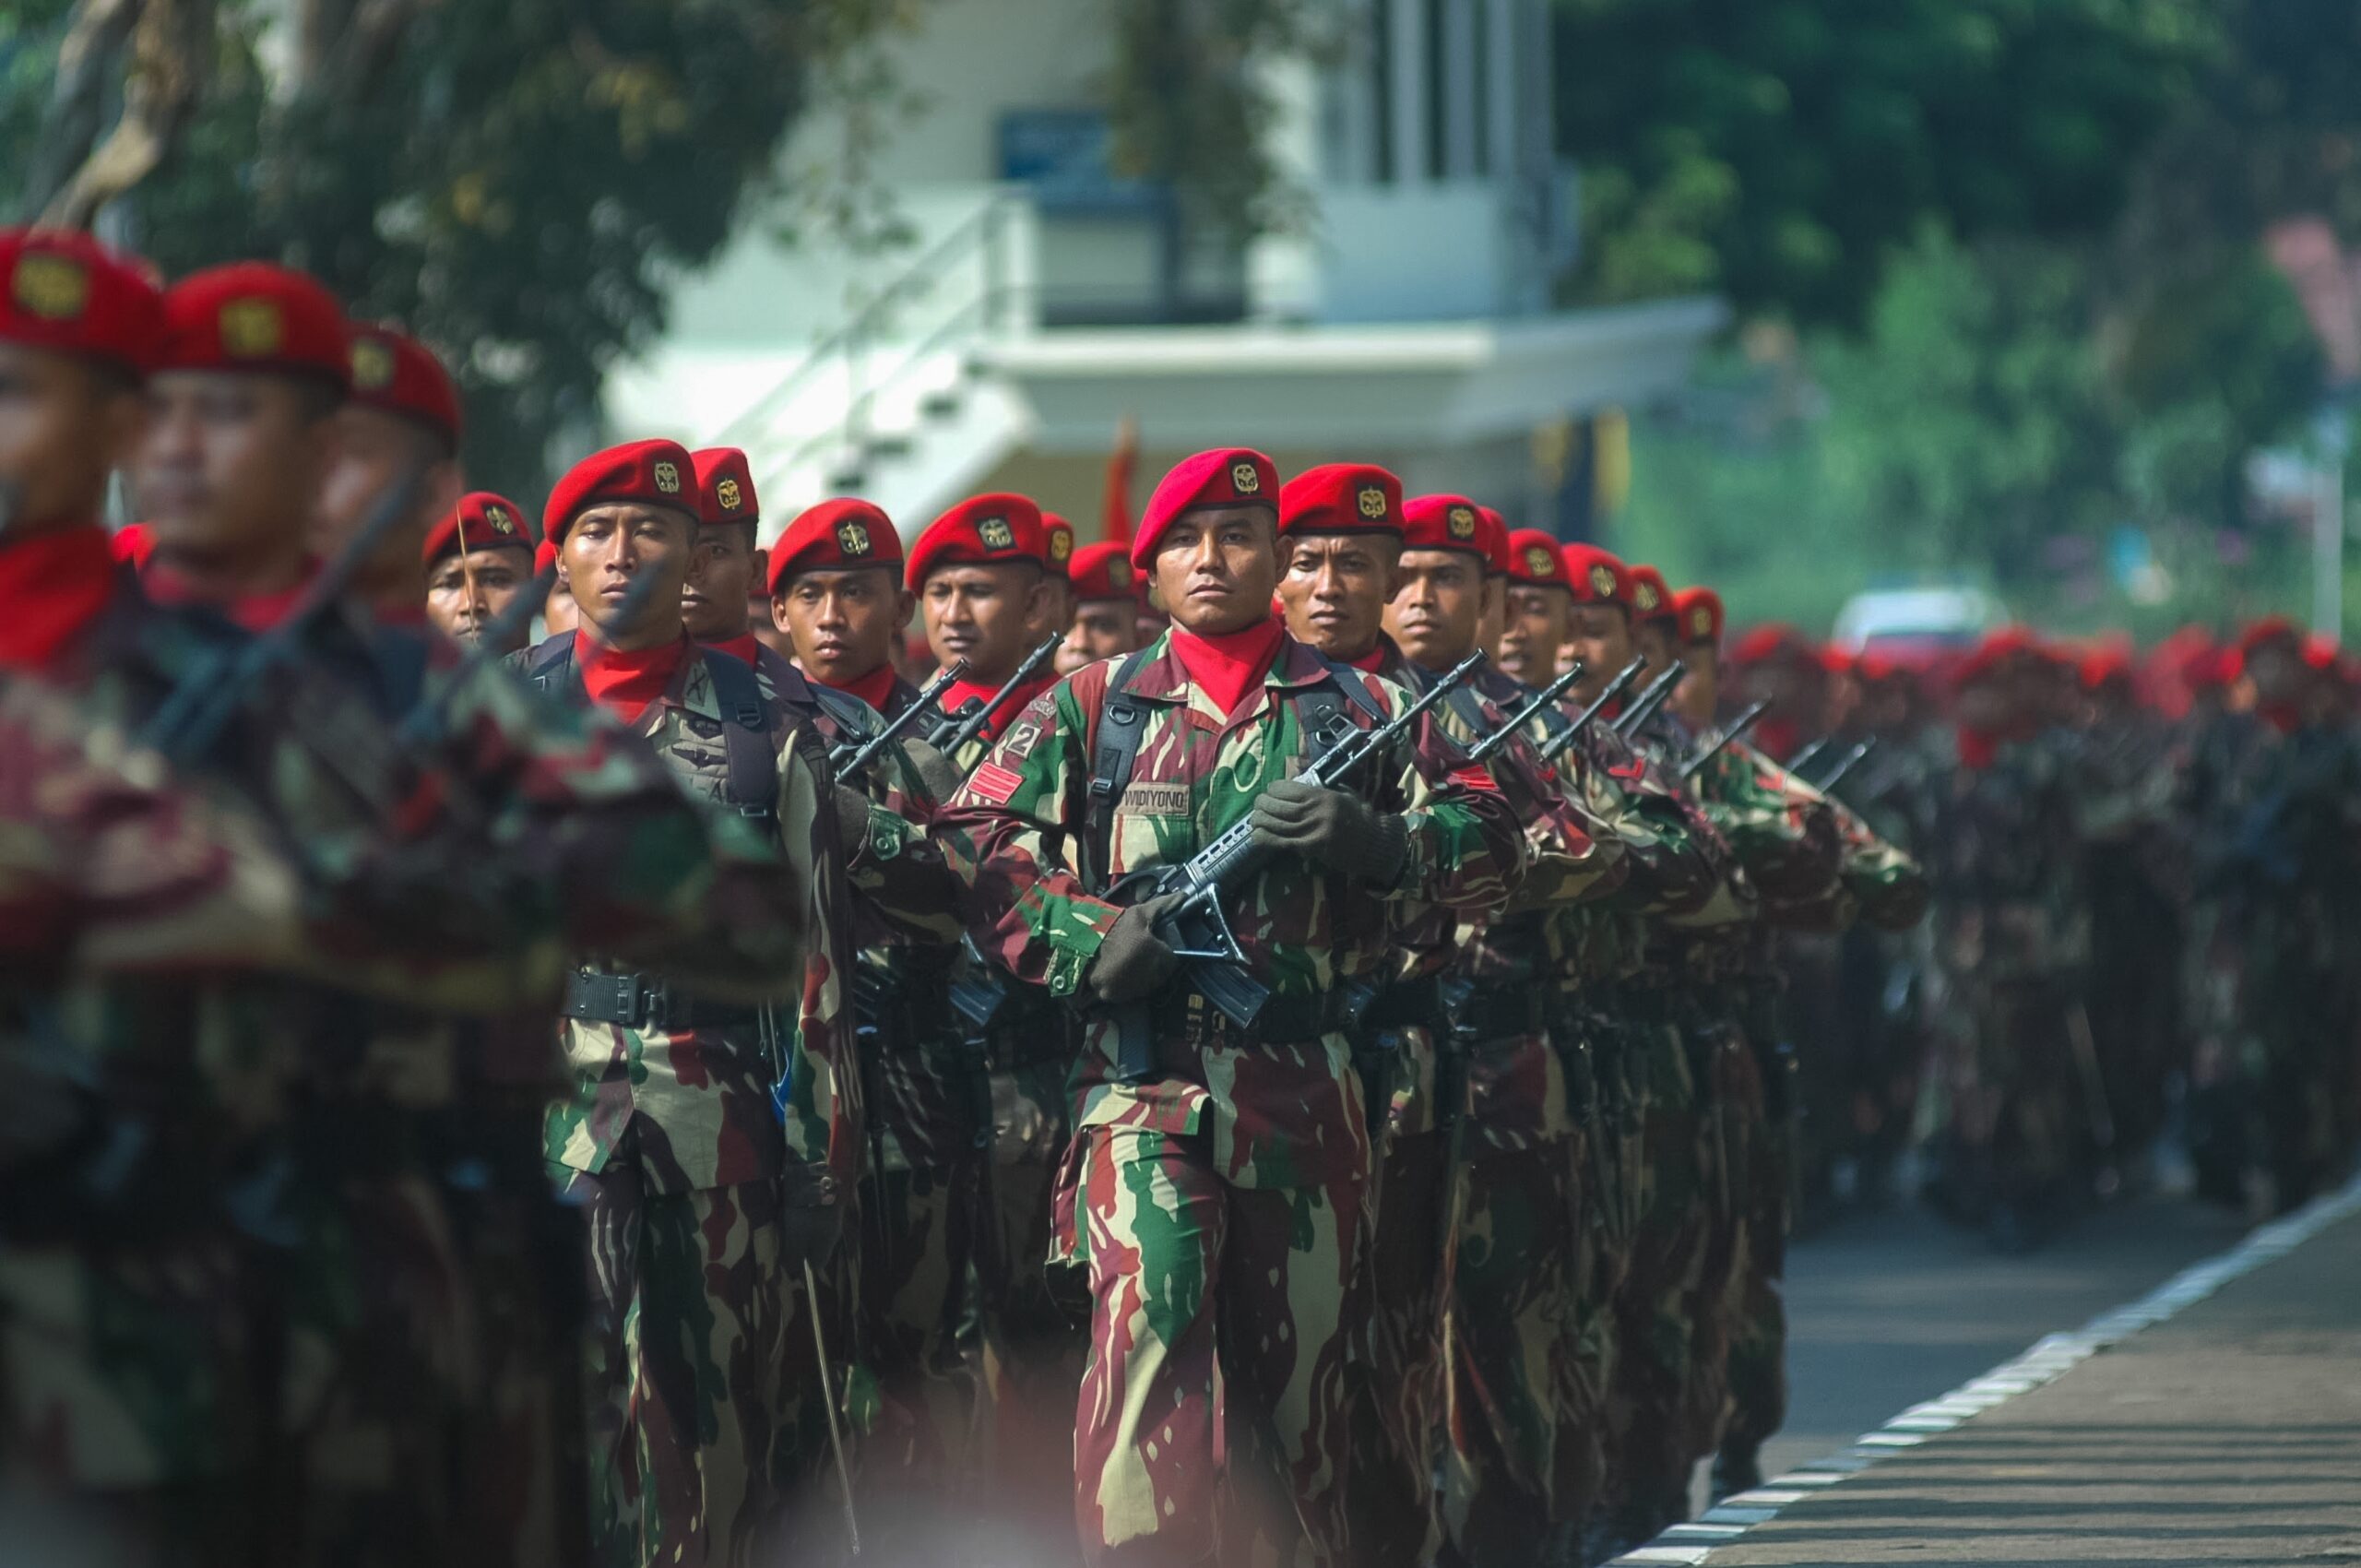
x,y
1014,829
2001,860
705,1095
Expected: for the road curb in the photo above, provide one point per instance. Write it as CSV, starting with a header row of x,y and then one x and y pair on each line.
x,y
2049,1358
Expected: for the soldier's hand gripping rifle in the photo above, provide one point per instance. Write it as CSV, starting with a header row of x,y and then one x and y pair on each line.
x,y
1650,700
851,758
1564,732
192,716
1738,727
1194,925
1485,749
958,729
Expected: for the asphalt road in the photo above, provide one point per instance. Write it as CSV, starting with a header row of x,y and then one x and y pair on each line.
x,y
1891,1307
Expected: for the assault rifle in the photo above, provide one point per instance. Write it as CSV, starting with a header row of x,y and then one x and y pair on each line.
x,y
1650,700
1803,759
1738,727
851,758
1484,750
192,716
1196,927
1852,759
958,729
1567,730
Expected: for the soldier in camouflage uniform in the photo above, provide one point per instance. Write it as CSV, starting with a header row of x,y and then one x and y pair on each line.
x,y
2018,1111
1216,1181
241,1351
1512,1106
982,576
478,561
1628,997
835,586
1817,866
1106,623
713,1145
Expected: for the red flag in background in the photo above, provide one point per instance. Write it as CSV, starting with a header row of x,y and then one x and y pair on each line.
x,y
1115,512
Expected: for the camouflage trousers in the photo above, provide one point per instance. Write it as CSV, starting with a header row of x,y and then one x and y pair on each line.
x,y
1649,1433
1216,1401
913,1289
1033,1317
1756,1402
1398,1376
1520,1448
1728,1122
688,1342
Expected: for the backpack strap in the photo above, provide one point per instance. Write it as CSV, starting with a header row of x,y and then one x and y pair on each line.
x,y
1123,723
745,736
847,712
550,667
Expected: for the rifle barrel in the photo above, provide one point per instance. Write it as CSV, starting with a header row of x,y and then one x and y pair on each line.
x,y
1483,750
974,725
1738,726
852,759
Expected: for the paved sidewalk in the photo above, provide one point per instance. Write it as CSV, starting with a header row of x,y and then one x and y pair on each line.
x,y
2228,1433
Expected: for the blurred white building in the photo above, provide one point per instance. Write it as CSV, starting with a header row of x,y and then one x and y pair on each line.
x,y
1407,320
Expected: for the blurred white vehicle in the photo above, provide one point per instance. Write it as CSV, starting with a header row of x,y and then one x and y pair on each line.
x,y
1916,621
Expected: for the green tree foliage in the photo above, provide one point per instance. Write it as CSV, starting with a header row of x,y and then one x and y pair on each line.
x,y
1776,150
518,182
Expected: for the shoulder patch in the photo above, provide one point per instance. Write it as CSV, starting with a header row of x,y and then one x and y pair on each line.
x,y
1475,778
994,783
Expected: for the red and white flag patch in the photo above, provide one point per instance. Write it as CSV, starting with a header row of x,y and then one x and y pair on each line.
x,y
1474,778
994,783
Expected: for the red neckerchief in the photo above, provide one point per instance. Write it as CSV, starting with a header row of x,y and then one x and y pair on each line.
x,y
745,646
957,694
1978,748
876,688
1229,666
132,544
51,587
254,612
1370,662
1778,738
2283,717
625,683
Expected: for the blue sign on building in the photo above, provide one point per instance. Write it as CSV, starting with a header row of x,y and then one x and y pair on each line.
x,y
1066,155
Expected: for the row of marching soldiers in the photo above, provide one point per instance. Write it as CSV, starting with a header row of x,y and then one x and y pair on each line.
x,y
2139,969
1291,1088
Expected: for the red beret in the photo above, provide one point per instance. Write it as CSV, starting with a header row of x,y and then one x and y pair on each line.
x,y
1104,571
2109,661
1992,654
983,530
397,373
1595,577
837,535
1534,559
725,487
1494,532
1342,498
252,316
1446,522
1227,476
652,473
1651,595
1772,640
481,521
1056,543
71,295
2270,629
1700,611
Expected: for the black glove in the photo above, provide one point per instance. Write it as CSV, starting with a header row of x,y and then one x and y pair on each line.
x,y
1342,832
852,814
810,1216
1133,961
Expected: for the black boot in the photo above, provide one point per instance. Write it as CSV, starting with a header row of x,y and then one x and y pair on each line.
x,y
1737,1467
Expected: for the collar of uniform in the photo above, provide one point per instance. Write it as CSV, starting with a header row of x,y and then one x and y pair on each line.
x,y
1162,678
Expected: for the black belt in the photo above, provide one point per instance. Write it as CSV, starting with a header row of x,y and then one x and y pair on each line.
x,y
1408,1004
637,1002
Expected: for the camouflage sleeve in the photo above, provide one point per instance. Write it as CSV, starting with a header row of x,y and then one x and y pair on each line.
x,y
819,1098
1007,834
605,849
1467,849
1888,888
1781,830
107,863
1568,855
905,892
1678,863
